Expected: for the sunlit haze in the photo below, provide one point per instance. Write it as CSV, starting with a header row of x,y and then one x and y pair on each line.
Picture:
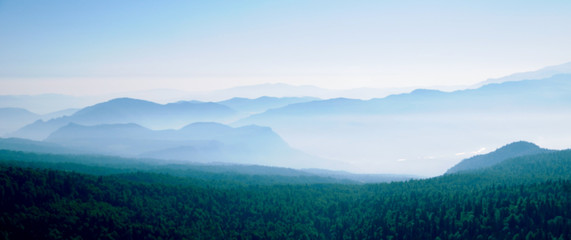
x,y
95,47
285,119
400,87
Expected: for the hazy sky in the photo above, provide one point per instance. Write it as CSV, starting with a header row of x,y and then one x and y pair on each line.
x,y
100,46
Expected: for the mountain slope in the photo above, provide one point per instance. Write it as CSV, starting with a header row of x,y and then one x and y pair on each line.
x,y
25,145
545,72
13,118
108,165
529,169
60,113
150,114
511,150
551,165
198,142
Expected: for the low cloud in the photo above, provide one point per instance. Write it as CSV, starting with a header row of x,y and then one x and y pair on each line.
x,y
480,151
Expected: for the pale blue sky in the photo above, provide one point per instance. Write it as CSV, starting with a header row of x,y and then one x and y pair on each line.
x,y
82,47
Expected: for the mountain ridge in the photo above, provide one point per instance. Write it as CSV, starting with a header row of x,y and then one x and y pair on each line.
x,y
420,96
544,72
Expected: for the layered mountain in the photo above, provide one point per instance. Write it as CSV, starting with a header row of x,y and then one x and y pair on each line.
x,y
552,92
512,150
426,130
127,110
197,142
422,132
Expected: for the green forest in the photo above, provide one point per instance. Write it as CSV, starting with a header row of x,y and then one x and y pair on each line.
x,y
45,198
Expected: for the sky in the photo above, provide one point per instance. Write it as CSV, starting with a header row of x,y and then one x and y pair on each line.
x,y
94,47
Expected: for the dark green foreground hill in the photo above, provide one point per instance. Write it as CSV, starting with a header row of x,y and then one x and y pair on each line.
x,y
520,198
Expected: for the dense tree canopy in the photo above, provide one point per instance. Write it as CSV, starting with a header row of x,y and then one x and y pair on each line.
x,y
508,201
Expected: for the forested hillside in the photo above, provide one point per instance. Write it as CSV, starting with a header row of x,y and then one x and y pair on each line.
x,y
216,174
511,150
522,198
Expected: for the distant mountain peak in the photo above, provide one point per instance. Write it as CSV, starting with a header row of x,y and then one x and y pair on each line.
x,y
125,100
423,91
512,150
116,103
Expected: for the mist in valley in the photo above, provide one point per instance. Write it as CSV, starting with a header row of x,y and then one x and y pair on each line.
x,y
285,119
422,132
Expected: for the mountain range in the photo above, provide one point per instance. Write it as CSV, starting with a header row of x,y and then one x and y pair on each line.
x,y
46,103
517,95
426,130
422,132
126,110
